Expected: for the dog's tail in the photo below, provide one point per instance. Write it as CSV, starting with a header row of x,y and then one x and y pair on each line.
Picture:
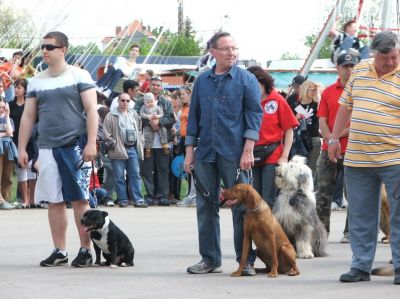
x,y
383,271
320,239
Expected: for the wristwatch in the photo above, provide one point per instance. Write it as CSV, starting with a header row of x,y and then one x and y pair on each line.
x,y
333,141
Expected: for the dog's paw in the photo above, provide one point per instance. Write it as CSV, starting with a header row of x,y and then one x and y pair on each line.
x,y
113,266
272,274
236,274
305,255
293,272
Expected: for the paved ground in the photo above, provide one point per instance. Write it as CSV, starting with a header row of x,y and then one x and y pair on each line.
x,y
165,239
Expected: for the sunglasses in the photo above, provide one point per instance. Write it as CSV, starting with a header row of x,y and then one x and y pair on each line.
x,y
50,47
123,100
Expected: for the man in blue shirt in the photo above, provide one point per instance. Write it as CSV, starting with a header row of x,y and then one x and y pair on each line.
x,y
224,122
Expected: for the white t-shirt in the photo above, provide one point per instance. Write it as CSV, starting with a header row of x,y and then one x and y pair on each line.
x,y
128,69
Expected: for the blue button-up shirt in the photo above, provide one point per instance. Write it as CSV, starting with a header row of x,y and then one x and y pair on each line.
x,y
224,112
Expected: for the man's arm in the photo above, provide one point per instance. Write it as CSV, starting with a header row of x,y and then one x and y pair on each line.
x,y
25,129
324,128
252,117
342,119
92,122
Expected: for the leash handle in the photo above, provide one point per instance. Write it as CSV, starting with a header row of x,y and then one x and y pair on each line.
x,y
250,172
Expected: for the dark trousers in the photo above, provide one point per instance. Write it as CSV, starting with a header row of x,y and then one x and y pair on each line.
x,y
155,171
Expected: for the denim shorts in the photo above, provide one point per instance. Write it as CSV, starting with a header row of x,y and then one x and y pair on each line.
x,y
59,177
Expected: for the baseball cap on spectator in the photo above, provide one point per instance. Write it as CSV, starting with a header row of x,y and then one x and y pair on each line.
x,y
299,79
347,58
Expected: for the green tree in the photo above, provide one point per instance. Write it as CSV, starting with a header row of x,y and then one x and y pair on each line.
x,y
16,27
289,56
325,51
90,48
174,44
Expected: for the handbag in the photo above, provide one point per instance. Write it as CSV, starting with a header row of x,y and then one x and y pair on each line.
x,y
262,152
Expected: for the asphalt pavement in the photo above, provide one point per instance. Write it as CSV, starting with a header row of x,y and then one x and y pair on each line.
x,y
165,240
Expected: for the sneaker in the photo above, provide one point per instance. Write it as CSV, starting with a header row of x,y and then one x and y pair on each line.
x,y
164,202
203,268
140,204
397,276
44,205
6,206
334,206
248,270
345,204
345,239
123,204
187,202
355,275
109,203
84,259
150,201
56,258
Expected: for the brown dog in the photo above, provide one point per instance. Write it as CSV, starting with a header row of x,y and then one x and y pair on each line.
x,y
260,226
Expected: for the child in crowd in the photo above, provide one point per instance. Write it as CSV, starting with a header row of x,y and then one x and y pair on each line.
x,y
150,110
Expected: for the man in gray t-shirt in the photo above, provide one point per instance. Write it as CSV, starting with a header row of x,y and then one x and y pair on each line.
x,y
64,99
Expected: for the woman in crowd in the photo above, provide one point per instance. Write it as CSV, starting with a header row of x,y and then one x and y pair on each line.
x,y
276,130
124,126
185,95
8,152
310,93
23,174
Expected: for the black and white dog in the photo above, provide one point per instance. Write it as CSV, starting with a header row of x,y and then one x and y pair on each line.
x,y
295,208
109,239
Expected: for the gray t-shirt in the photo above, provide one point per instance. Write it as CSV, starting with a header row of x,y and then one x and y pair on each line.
x,y
60,108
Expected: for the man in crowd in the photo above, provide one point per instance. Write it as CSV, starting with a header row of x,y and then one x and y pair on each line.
x,y
370,103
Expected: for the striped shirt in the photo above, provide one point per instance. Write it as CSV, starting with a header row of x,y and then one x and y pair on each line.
x,y
375,122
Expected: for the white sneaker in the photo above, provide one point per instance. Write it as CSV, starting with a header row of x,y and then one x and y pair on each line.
x,y
345,204
345,239
187,202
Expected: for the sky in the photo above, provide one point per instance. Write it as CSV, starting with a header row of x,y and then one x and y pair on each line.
x,y
263,30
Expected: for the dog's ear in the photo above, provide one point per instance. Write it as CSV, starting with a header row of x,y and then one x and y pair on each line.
x,y
105,214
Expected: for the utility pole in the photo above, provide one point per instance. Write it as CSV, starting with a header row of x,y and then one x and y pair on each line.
x,y
181,26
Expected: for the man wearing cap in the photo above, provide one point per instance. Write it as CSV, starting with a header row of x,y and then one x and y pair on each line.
x,y
293,98
370,102
327,172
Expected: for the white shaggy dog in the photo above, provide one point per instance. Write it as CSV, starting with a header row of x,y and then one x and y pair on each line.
x,y
295,209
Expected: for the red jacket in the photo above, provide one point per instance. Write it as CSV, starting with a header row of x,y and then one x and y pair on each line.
x,y
277,118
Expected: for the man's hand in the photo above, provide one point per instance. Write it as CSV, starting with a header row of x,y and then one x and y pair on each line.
x,y
247,158
90,152
22,158
334,152
189,159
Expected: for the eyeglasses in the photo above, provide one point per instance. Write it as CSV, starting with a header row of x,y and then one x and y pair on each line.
x,y
50,47
125,100
312,89
227,49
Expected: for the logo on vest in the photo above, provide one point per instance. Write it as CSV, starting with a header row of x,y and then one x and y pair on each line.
x,y
271,107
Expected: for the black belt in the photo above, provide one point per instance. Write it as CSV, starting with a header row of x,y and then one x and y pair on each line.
x,y
129,146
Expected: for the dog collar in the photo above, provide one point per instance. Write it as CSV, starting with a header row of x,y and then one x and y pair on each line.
x,y
255,209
